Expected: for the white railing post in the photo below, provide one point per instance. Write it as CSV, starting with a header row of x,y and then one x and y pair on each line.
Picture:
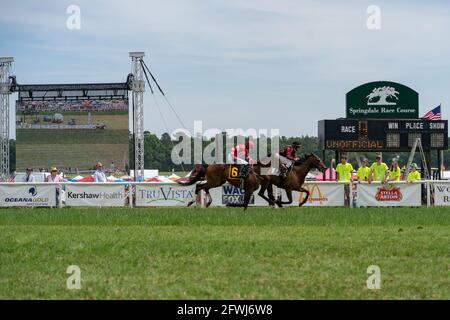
x,y
130,195
60,202
428,185
351,194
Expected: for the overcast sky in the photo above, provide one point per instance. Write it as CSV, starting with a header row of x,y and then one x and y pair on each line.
x,y
236,63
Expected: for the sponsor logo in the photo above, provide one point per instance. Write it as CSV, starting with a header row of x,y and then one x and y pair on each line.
x,y
380,96
442,194
30,199
96,195
315,195
234,196
165,193
388,193
33,191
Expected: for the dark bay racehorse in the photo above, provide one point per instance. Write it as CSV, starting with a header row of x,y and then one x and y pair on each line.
x,y
214,175
293,182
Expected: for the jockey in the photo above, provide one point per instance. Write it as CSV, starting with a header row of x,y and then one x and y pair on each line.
x,y
240,155
287,156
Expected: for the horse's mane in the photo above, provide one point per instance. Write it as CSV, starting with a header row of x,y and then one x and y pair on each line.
x,y
302,160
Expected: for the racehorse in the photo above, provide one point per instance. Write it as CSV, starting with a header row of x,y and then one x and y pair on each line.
x,y
293,182
215,175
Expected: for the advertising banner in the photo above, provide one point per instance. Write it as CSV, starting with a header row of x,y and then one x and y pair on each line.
x,y
164,195
100,195
228,195
441,194
29,195
388,195
320,195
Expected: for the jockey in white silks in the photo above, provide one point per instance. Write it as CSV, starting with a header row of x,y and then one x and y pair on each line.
x,y
240,153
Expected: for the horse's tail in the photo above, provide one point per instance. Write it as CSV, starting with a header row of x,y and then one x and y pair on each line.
x,y
196,175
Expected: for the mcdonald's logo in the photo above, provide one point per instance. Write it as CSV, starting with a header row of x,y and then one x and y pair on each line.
x,y
315,194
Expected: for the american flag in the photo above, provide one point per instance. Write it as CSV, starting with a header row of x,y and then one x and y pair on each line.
x,y
434,114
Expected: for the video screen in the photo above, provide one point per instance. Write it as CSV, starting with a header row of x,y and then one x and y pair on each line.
x,y
72,135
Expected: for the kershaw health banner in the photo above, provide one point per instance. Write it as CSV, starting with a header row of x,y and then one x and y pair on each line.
x,y
164,195
320,195
29,195
442,194
388,195
100,195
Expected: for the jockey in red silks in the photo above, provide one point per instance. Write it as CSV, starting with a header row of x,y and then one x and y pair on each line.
x,y
240,153
287,156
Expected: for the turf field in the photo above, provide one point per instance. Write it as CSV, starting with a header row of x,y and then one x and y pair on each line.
x,y
224,253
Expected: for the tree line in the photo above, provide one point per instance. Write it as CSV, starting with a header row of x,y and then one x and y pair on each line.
x,y
158,150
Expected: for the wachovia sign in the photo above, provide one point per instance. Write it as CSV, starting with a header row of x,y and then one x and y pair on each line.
x,y
382,100
28,195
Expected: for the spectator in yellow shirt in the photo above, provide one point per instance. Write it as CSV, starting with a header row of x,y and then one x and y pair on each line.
x,y
394,171
414,175
378,170
363,172
344,170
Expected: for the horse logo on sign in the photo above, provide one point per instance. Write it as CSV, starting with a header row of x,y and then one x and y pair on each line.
x,y
379,96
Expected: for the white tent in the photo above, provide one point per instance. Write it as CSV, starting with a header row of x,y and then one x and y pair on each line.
x,y
147,173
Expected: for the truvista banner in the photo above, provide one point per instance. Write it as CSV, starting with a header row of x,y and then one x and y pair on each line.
x,y
99,195
164,195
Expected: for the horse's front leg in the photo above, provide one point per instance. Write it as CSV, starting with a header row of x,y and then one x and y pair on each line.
x,y
266,186
208,197
248,196
306,197
198,187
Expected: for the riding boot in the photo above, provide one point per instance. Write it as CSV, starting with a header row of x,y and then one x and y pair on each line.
x,y
244,171
283,171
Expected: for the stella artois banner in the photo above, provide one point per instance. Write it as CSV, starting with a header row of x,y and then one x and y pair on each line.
x,y
99,195
320,195
441,194
388,194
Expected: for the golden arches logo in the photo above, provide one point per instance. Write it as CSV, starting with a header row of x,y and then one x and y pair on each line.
x,y
313,190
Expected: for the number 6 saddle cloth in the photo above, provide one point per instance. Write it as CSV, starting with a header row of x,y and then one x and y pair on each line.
x,y
238,171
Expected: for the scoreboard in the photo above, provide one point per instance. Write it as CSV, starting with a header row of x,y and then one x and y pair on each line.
x,y
382,135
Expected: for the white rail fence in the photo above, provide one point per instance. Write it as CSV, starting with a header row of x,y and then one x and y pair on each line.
x,y
138,194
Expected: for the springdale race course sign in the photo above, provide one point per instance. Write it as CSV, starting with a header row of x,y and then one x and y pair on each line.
x,y
382,100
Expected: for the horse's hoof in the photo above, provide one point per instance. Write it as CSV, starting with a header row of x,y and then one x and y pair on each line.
x,y
190,203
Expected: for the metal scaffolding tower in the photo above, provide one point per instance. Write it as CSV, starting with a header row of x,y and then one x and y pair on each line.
x,y
5,67
138,88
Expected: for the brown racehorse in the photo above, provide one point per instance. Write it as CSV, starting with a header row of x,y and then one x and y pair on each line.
x,y
215,175
293,182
